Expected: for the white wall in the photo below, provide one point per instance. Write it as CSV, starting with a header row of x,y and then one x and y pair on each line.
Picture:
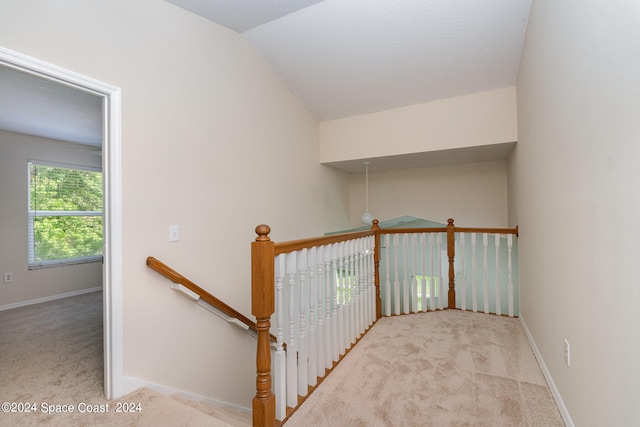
x,y
473,194
213,142
574,181
466,121
15,150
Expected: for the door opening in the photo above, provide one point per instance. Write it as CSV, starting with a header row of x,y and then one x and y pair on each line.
x,y
111,166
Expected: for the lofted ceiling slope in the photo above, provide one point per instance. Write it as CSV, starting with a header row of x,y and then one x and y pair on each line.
x,y
341,58
344,58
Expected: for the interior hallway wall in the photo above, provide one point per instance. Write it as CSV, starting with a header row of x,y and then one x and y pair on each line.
x,y
213,142
573,190
473,194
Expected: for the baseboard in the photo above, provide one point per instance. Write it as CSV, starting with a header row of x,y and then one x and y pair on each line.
x,y
131,384
50,298
547,375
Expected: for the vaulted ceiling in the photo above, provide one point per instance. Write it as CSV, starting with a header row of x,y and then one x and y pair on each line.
x,y
344,58
341,58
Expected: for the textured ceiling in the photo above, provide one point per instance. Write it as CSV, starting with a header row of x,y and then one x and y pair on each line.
x,y
341,58
241,16
40,107
344,58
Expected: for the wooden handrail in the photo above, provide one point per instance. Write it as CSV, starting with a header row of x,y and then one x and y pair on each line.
x,y
296,245
176,277
413,230
455,229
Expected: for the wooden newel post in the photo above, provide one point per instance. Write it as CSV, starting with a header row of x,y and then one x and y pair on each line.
x,y
451,253
262,307
376,271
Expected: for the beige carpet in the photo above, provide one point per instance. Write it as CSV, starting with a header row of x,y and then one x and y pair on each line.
x,y
433,369
448,368
51,355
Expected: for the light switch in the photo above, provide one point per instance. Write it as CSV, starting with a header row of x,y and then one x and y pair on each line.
x,y
174,233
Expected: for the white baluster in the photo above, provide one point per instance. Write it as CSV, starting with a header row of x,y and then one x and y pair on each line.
x,y
485,244
360,280
320,350
280,357
343,320
369,282
405,281
330,350
312,367
337,327
442,294
347,295
463,279
354,309
510,270
363,285
366,285
387,283
414,278
423,281
498,287
396,283
302,346
292,350
474,276
432,287
373,303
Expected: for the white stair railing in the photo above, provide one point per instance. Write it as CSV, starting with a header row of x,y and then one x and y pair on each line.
x,y
488,287
417,262
414,260
327,293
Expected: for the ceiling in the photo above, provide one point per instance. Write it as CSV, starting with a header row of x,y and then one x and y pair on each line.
x,y
36,106
341,58
344,58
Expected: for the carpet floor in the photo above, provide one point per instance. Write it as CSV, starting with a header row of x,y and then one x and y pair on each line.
x,y
51,359
448,368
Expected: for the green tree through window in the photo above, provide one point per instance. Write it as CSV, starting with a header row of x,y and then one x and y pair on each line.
x,y
65,214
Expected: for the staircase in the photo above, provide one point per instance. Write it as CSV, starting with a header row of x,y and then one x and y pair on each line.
x,y
156,409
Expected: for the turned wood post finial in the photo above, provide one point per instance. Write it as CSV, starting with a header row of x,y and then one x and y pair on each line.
x,y
450,221
263,231
375,223
262,307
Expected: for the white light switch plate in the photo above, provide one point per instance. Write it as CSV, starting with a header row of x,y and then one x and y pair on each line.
x,y
174,233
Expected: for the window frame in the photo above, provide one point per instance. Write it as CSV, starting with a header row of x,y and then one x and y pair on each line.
x,y
31,215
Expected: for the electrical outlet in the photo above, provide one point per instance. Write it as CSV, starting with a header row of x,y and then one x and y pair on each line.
x,y
567,352
7,278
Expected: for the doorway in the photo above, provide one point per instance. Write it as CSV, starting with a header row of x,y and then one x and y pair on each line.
x,y
112,172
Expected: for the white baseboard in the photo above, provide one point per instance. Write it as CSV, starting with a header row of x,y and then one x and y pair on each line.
x,y
131,384
547,375
50,298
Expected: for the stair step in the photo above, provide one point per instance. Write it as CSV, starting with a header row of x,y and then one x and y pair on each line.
x,y
160,409
228,414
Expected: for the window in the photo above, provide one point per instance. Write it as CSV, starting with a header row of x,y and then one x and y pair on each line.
x,y
65,214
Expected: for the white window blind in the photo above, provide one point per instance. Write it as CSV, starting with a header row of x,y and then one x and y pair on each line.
x,y
65,214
